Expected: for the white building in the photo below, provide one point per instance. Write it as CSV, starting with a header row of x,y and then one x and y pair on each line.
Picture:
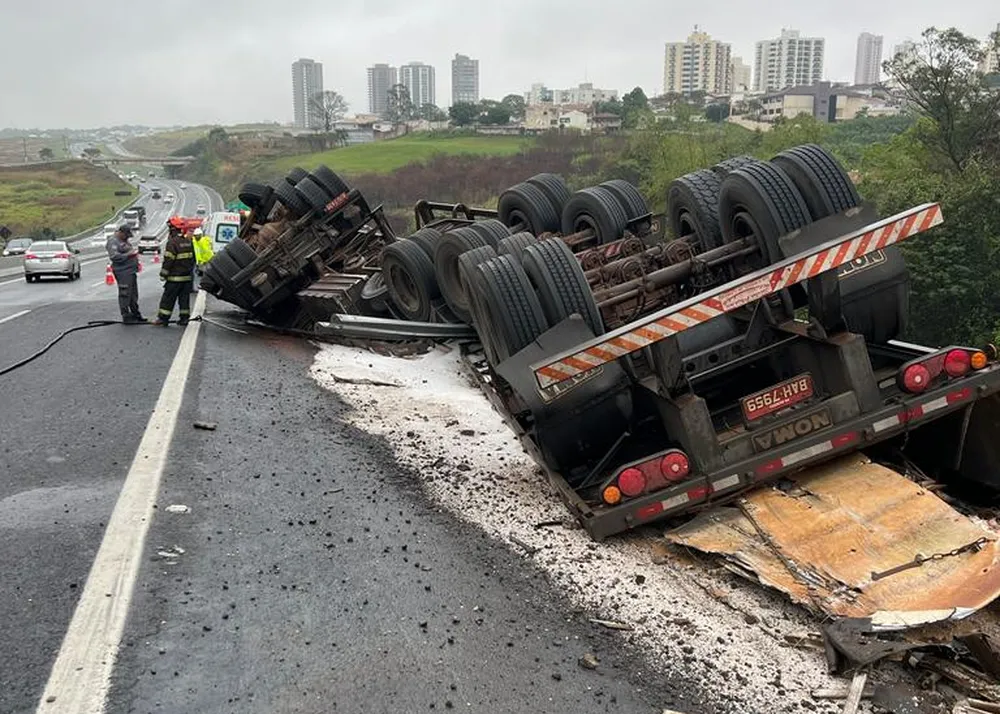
x,y
868,59
307,82
381,78
742,75
418,78
991,61
788,61
585,93
699,64
464,80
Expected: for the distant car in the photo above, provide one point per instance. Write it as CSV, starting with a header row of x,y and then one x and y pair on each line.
x,y
156,192
201,210
17,246
169,198
184,185
51,257
98,241
149,244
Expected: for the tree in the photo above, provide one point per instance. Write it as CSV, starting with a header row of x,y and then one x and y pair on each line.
x,y
463,113
493,113
329,108
430,112
92,152
635,106
515,105
400,106
217,135
942,81
45,154
611,106
717,113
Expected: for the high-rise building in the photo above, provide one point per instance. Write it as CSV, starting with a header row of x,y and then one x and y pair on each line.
x,y
307,82
741,74
787,61
700,64
868,61
464,80
990,63
418,78
381,78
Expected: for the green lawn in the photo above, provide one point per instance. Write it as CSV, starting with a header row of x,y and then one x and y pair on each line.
x,y
67,197
384,156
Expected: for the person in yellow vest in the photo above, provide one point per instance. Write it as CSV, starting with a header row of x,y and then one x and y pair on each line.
x,y
203,253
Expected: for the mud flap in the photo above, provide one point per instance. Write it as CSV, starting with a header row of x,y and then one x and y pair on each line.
x,y
846,539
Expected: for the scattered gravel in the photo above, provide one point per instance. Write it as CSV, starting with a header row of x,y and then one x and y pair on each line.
x,y
687,614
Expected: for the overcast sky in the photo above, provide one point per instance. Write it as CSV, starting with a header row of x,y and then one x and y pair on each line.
x,y
104,62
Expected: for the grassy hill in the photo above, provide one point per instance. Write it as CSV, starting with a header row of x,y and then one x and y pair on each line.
x,y
384,156
166,142
67,196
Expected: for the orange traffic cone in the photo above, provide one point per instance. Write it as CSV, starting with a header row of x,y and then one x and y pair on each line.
x,y
140,265
109,277
156,258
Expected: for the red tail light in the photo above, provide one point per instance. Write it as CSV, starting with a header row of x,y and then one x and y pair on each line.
x,y
957,363
62,255
662,470
631,482
953,362
30,256
675,466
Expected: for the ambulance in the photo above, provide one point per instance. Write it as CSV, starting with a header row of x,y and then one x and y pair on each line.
x,y
223,227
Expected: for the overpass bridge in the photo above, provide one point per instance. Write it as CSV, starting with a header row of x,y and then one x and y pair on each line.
x,y
159,161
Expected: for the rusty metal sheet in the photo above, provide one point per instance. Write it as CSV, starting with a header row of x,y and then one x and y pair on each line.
x,y
822,540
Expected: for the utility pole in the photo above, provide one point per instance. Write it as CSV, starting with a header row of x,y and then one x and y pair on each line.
x,y
24,144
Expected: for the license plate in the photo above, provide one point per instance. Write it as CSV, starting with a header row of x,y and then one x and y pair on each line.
x,y
46,260
780,396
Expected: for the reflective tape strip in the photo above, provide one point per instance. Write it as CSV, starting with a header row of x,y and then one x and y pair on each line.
x,y
797,457
168,254
179,278
675,501
725,483
743,291
184,256
922,410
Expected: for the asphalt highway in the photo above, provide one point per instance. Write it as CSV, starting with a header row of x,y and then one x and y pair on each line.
x,y
285,563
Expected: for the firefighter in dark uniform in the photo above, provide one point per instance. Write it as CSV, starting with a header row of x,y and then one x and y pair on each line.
x,y
176,273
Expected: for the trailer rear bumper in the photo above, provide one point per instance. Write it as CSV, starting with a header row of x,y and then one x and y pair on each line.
x,y
725,484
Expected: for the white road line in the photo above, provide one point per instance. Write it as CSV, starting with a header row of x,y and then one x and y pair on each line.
x,y
81,676
14,316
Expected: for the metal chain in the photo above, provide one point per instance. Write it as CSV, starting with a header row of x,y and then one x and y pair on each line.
x,y
921,559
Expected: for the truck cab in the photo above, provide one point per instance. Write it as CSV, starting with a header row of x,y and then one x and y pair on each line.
x,y
223,227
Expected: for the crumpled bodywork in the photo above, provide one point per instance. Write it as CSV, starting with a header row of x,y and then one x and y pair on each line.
x,y
822,540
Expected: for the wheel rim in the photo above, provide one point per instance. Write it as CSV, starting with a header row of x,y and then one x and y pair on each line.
x,y
406,289
744,227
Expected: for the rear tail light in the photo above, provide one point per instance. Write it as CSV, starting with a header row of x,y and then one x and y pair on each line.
x,y
952,362
30,256
62,255
664,469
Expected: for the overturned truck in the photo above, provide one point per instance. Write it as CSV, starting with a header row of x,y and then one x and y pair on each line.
x,y
653,365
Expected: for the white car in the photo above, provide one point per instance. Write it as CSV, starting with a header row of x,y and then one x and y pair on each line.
x,y
184,185
169,198
200,210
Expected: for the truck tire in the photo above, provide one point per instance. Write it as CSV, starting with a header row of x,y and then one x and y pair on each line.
x,y
875,301
467,262
823,183
758,201
693,208
446,258
312,193
596,209
628,197
723,168
331,181
492,230
255,194
508,316
290,199
241,253
560,283
409,276
527,207
226,268
427,239
554,188
515,244
296,175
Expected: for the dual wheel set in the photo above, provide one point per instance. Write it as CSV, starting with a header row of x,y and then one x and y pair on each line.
x,y
516,276
298,194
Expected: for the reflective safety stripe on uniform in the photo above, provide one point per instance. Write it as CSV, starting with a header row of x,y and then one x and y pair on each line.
x,y
179,278
733,295
168,254
184,256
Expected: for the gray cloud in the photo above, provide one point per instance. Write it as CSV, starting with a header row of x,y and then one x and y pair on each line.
x,y
67,63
